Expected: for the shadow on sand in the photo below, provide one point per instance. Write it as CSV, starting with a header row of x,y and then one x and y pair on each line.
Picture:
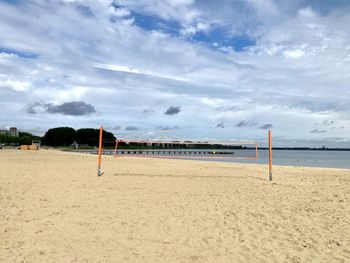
x,y
192,176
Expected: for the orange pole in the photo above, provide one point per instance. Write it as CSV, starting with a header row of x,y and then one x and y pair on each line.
x,y
270,155
116,149
99,153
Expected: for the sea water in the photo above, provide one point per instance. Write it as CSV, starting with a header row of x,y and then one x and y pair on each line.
x,y
307,158
326,159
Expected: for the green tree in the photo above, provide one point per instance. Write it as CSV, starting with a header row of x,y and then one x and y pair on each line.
x,y
8,139
61,136
25,140
22,134
91,137
2,138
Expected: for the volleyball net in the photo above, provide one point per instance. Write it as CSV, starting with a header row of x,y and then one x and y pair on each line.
x,y
239,150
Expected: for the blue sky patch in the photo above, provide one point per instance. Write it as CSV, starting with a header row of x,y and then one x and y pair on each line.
x,y
219,38
85,11
19,53
13,2
215,38
149,22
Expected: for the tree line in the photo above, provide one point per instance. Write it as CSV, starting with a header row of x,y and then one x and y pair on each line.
x,y
62,136
66,136
22,138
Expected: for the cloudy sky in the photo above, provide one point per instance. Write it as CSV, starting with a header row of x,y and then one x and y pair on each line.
x,y
179,69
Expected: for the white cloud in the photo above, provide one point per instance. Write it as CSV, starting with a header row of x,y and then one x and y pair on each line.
x,y
181,10
264,7
16,85
189,30
306,12
136,71
294,54
122,12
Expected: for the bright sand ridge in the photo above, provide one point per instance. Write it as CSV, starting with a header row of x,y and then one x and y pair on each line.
x,y
53,208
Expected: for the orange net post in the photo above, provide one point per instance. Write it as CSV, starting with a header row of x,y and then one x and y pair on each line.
x,y
99,153
116,149
270,155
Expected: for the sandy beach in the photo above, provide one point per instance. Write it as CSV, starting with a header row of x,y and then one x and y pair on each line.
x,y
53,208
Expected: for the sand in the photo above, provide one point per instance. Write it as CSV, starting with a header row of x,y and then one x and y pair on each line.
x,y
53,208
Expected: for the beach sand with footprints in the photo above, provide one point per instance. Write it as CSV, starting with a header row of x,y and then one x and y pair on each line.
x,y
53,208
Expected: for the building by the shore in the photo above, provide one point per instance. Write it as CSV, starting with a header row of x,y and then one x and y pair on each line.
x,y
12,131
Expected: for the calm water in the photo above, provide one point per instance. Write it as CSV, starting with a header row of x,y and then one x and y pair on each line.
x,y
329,159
